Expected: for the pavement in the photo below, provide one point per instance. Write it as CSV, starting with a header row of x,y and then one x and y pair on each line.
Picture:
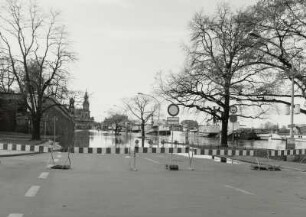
x,y
105,185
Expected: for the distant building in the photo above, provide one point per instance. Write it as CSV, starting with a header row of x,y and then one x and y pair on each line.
x,y
57,120
13,113
82,115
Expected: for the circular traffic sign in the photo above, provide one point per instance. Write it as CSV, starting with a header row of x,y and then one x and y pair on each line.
x,y
173,110
233,109
233,118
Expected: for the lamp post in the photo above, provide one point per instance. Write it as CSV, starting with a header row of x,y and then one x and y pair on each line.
x,y
291,72
158,102
292,108
54,129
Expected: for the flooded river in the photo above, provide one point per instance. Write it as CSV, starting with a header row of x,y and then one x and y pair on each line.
x,y
95,139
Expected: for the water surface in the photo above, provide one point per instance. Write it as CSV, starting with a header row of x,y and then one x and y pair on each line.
x,y
95,139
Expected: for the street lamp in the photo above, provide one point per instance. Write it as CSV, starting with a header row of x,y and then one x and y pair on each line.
x,y
159,104
291,72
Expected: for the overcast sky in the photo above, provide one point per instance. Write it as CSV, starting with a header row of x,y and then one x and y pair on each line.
x,y
122,44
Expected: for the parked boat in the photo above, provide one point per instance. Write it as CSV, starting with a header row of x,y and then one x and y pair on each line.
x,y
161,131
264,136
275,136
243,134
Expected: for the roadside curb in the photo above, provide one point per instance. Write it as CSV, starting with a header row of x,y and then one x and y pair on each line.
x,y
272,165
20,154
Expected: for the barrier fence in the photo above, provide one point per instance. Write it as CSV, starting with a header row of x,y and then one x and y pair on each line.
x,y
156,150
27,148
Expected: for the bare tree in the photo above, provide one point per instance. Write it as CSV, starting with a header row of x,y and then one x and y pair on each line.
x,y
280,36
143,108
116,121
219,69
7,79
36,47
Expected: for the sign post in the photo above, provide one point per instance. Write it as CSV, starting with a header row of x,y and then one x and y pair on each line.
x,y
133,167
173,121
233,109
233,119
173,110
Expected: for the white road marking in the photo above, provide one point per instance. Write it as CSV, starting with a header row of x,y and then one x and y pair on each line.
x,y
43,175
239,189
32,191
154,161
15,215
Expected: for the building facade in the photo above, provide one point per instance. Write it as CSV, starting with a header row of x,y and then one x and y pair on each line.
x,y
82,117
57,122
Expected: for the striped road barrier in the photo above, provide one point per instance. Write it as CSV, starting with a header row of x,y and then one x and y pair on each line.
x,y
154,150
27,148
196,151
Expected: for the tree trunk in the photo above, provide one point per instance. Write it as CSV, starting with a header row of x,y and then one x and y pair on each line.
x,y
142,133
36,127
117,130
224,131
225,117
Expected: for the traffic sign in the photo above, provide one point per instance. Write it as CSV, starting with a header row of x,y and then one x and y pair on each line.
x,y
290,143
233,109
173,110
173,120
233,118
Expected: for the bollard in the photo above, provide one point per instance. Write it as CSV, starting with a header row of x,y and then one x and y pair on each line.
x,y
176,143
133,168
134,161
190,159
163,143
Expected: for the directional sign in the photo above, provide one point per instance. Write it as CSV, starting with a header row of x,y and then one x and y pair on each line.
x,y
173,120
233,109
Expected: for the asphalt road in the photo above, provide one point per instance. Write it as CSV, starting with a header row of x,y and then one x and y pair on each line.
x,y
99,186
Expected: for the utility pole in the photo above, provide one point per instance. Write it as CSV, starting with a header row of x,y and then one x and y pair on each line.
x,y
292,108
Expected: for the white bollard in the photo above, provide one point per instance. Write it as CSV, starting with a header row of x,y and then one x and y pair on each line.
x,y
133,167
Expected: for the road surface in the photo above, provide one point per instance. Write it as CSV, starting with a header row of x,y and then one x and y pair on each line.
x,y
104,185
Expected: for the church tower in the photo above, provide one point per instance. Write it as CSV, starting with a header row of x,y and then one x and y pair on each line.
x,y
86,102
82,115
86,112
